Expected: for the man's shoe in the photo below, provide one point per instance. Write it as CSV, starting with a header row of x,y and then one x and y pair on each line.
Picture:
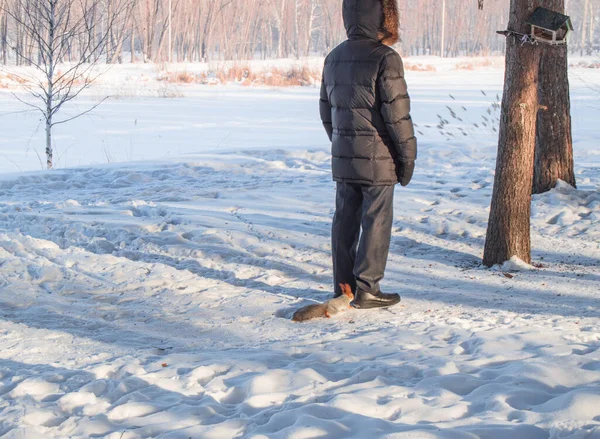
x,y
365,300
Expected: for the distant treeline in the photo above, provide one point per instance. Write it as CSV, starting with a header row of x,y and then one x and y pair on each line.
x,y
204,30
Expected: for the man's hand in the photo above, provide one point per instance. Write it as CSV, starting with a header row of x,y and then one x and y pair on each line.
x,y
405,172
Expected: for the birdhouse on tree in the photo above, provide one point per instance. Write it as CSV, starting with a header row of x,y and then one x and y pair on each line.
x,y
549,27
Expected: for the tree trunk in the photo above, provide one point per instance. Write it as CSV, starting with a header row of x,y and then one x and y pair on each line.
x,y
554,144
49,158
132,44
508,227
50,65
584,29
206,33
5,40
117,55
296,29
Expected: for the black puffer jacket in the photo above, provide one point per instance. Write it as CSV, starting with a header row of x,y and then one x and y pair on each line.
x,y
364,104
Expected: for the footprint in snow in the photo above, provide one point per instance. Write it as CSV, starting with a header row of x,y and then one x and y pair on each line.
x,y
592,365
470,346
585,351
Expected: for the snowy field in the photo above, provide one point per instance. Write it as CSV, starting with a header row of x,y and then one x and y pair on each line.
x,y
146,285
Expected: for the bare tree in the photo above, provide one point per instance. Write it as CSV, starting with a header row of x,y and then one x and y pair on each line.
x,y
3,33
205,30
585,26
120,30
53,28
508,232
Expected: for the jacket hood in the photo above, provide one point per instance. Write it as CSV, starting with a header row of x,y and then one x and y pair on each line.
x,y
374,19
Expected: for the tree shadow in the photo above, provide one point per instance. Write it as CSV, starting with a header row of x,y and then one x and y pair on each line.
x,y
509,296
414,249
114,332
554,257
227,276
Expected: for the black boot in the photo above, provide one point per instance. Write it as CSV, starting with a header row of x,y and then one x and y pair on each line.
x,y
365,300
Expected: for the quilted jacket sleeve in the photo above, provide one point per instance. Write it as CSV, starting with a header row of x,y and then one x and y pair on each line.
x,y
395,107
325,108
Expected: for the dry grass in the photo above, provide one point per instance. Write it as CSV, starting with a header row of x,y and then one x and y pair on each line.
x,y
419,67
185,78
302,76
18,79
475,64
465,66
586,64
8,80
178,78
244,75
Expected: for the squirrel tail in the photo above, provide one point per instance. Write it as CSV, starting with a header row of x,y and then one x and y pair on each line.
x,y
310,312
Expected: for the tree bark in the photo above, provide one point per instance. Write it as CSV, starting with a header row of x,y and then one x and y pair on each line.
x,y
50,82
584,27
49,153
132,41
554,144
4,38
508,231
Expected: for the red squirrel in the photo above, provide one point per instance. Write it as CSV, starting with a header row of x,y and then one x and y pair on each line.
x,y
326,309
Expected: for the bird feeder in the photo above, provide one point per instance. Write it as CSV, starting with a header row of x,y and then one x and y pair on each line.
x,y
549,27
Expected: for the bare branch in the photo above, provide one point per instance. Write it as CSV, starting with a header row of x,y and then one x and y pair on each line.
x,y
89,110
29,104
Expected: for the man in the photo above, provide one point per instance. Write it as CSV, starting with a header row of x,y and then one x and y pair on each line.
x,y
365,109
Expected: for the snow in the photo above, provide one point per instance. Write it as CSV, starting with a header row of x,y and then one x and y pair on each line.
x,y
150,296
515,264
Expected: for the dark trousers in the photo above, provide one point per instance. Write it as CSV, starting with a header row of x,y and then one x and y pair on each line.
x,y
359,259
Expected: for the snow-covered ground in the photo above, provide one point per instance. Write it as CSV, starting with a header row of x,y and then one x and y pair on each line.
x,y
149,297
